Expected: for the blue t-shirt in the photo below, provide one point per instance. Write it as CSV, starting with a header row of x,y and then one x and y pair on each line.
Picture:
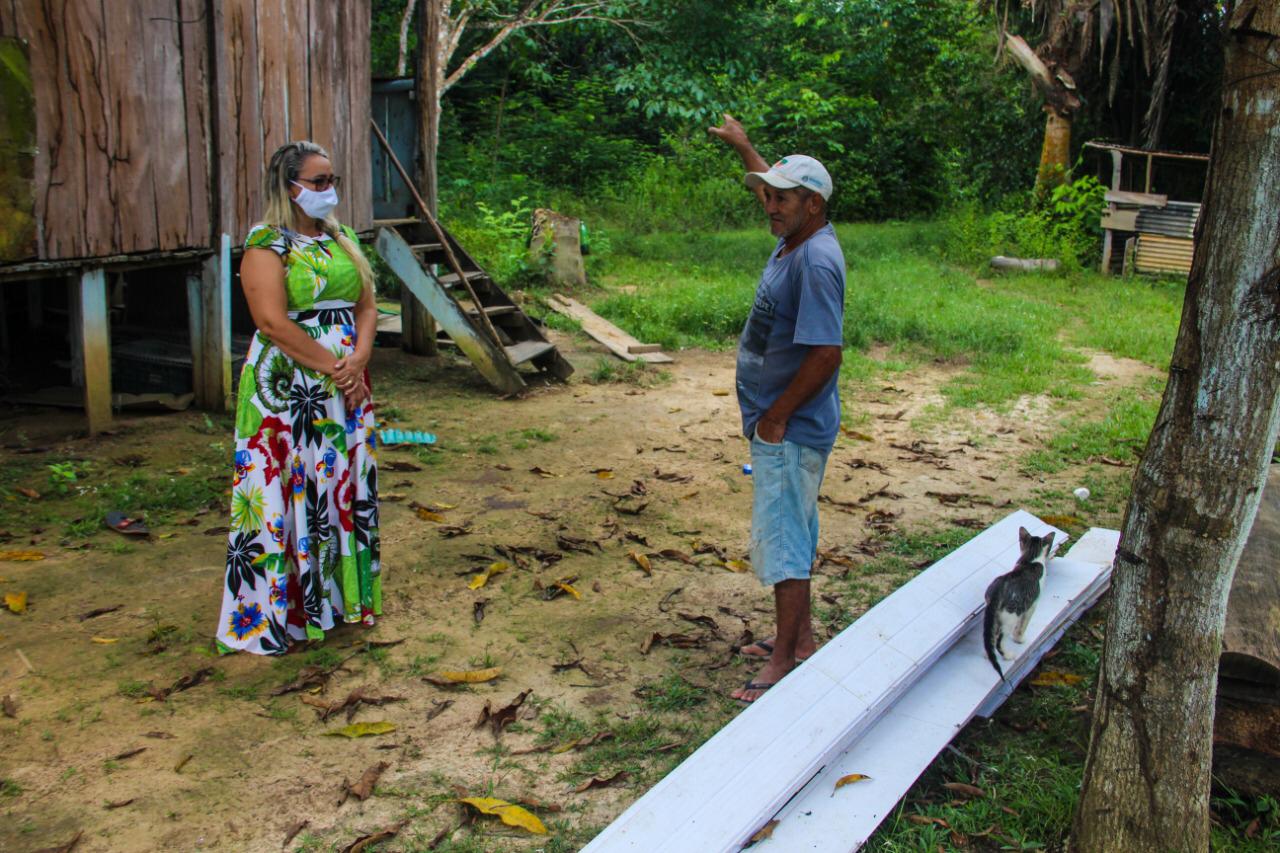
x,y
799,303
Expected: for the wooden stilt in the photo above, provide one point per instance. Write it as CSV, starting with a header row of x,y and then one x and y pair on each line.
x,y
91,336
195,326
213,362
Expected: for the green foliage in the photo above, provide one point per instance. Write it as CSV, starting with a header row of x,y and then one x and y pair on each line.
x,y
1065,225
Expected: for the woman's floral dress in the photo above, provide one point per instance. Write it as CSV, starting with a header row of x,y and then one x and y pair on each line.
x,y
303,547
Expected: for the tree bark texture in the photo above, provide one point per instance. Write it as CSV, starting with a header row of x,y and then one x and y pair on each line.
x,y
1055,154
418,328
1197,488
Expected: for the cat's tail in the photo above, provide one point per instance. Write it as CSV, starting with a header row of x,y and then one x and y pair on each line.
x,y
989,638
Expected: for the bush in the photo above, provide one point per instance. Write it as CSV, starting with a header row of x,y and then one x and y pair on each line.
x,y
1066,225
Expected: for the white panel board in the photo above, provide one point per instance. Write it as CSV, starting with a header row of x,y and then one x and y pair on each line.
x,y
740,777
906,739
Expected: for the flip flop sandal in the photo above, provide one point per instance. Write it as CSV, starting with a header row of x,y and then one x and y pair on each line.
x,y
121,523
752,685
768,647
762,644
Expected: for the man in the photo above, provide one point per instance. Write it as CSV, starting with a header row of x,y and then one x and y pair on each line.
x,y
787,376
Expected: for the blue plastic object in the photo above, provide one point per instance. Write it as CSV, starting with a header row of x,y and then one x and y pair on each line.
x,y
406,436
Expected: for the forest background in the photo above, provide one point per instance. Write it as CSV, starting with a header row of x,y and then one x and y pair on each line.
x,y
908,102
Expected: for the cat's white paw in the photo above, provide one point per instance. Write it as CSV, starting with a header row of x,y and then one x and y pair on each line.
x,y
1005,655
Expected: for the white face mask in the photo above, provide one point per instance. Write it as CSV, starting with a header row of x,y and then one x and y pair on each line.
x,y
314,204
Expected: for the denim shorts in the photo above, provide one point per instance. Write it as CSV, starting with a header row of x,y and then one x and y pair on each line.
x,y
784,509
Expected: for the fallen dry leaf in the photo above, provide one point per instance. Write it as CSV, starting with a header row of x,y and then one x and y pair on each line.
x,y
925,820
363,789
10,706
293,831
567,587
603,473
119,804
364,842
15,601
104,641
1052,678
182,762
543,472
763,832
21,556
186,682
129,753
503,717
849,780
965,789
483,578
438,707
511,815
598,782
63,848
449,678
98,611
678,556
642,561
28,493
429,515
736,566
356,730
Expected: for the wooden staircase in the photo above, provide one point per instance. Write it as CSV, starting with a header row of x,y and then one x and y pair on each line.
x,y
473,314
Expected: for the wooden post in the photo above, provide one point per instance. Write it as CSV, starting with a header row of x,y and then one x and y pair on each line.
x,y
91,345
212,334
1116,159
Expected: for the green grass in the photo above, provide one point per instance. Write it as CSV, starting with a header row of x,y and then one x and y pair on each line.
x,y
1120,435
611,371
1012,336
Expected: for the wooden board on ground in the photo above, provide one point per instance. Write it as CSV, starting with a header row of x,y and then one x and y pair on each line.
x,y
617,341
748,770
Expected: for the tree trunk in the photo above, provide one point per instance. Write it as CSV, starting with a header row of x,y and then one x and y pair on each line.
x,y
1197,488
1055,155
427,88
418,327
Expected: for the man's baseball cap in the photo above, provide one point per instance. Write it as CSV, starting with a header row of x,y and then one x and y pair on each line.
x,y
794,170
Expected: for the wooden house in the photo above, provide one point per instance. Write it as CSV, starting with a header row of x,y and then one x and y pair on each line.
x,y
132,151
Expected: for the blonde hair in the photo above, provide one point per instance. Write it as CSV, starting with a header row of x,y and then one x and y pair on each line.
x,y
282,171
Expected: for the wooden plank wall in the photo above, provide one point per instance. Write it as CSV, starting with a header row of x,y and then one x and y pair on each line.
x,y
289,70
122,155
147,142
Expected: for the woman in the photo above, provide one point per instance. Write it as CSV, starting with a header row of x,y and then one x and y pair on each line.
x,y
303,547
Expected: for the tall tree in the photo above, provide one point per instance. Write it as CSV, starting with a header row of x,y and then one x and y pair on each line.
x,y
1197,488
1092,44
441,27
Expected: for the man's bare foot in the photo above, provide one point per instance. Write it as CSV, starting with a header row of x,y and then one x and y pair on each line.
x,y
764,649
763,680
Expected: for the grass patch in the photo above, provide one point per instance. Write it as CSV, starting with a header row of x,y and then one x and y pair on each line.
x,y
607,371
695,290
671,693
1120,435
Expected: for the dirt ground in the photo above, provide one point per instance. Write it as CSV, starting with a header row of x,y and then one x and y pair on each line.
x,y
227,765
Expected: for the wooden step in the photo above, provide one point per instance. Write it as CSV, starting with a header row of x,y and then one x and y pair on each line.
x,y
392,223
494,310
451,279
421,248
527,351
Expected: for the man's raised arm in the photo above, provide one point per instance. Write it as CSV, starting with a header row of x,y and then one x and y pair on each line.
x,y
732,133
